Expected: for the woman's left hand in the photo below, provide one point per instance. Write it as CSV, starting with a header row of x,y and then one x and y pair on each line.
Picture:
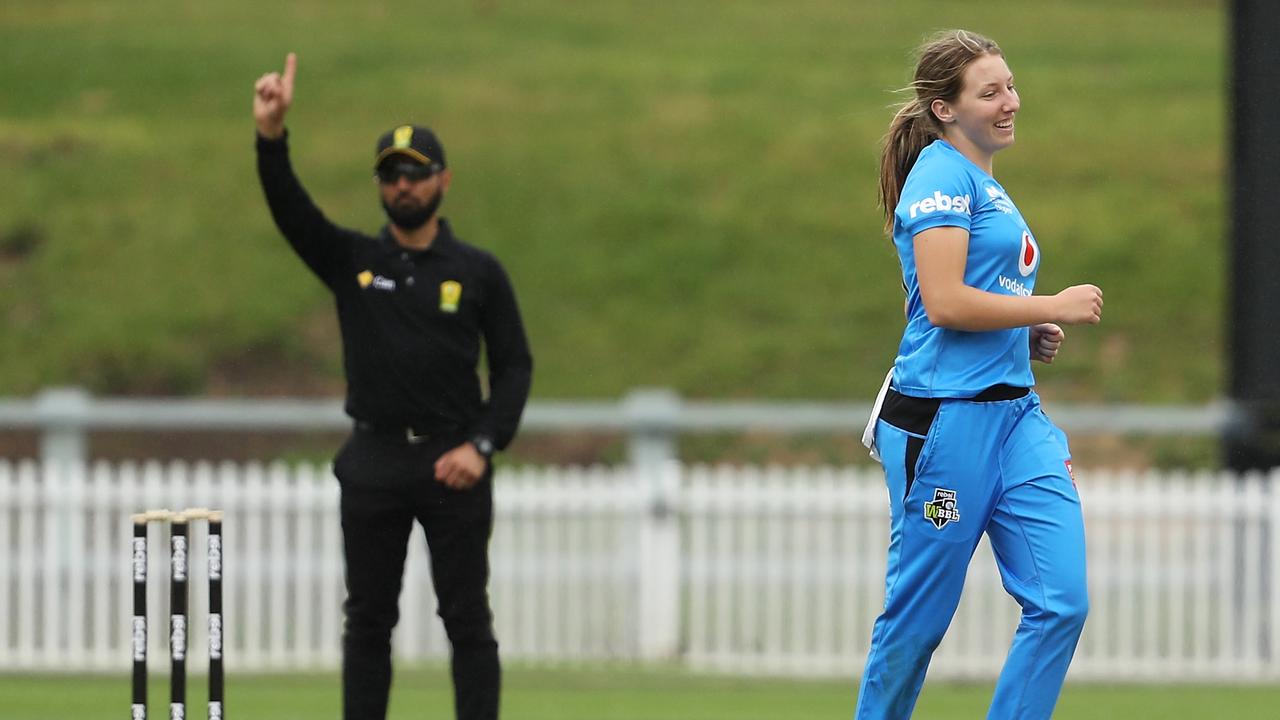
x,y
1046,338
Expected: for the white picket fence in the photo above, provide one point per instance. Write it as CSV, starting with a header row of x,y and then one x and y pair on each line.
x,y
741,570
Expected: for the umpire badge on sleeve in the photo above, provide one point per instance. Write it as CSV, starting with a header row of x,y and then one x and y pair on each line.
x,y
450,294
942,509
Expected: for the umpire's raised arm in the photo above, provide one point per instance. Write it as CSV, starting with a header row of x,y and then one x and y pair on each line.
x,y
320,243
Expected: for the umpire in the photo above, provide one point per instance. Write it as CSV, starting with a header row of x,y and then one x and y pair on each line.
x,y
413,304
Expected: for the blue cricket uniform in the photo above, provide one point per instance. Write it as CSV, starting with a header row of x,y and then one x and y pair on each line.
x,y
966,449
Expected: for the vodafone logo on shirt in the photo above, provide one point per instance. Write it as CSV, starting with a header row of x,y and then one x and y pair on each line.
x,y
940,203
1028,255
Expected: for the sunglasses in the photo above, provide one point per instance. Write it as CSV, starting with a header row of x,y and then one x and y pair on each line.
x,y
413,172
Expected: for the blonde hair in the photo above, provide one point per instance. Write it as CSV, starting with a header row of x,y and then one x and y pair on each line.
x,y
939,75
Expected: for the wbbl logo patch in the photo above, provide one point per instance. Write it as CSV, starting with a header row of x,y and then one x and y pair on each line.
x,y
942,509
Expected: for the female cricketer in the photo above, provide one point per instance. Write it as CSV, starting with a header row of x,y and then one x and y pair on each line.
x,y
965,446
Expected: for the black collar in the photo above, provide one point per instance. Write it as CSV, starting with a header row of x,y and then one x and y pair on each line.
x,y
444,242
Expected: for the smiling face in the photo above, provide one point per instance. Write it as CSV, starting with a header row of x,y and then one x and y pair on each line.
x,y
979,121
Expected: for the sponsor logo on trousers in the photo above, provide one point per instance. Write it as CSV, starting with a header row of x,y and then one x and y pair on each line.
x,y
942,509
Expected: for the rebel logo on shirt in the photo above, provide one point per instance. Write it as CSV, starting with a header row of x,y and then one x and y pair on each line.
x,y
942,509
940,203
1028,254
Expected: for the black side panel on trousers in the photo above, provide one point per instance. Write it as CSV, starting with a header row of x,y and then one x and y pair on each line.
x,y
910,414
914,445
914,416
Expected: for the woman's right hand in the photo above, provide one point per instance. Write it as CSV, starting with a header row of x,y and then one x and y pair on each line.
x,y
1079,305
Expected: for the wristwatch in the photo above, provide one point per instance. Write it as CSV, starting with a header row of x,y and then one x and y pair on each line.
x,y
483,445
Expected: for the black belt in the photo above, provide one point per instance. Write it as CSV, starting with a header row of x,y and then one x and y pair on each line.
x,y
410,434
996,393
915,414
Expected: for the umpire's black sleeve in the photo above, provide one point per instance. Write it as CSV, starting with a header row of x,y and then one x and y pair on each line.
x,y
321,244
510,362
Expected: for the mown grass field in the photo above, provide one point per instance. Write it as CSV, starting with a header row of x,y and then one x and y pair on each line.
x,y
683,192
621,694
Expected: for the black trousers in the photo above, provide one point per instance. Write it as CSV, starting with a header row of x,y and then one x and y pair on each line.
x,y
386,484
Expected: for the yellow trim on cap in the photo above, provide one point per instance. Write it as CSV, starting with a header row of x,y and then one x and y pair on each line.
x,y
401,151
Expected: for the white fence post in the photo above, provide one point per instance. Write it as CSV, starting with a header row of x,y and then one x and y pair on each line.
x,y
652,416
660,569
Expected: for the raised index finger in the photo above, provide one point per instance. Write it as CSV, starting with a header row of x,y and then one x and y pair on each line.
x,y
290,71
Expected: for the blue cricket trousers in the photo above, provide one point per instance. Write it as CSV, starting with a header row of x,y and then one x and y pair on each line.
x,y
955,469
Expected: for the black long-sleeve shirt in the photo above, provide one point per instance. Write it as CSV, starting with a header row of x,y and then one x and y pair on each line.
x,y
411,321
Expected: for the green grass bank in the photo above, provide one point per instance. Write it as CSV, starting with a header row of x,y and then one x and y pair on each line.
x,y
683,192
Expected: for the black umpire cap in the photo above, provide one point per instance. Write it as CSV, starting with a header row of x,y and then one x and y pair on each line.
x,y
413,141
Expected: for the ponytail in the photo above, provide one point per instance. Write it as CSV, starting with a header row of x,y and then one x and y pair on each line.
x,y
911,130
